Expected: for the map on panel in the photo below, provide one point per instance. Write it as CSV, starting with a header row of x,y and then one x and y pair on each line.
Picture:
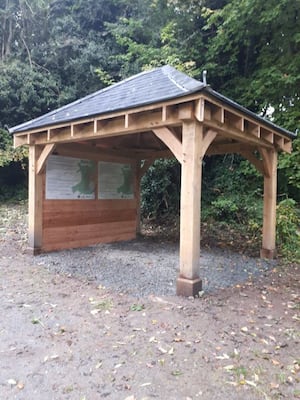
x,y
70,178
115,181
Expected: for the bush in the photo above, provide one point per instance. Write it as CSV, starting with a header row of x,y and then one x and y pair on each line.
x,y
288,229
160,189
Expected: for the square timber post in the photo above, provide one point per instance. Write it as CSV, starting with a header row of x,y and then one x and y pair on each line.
x,y
269,214
188,281
35,202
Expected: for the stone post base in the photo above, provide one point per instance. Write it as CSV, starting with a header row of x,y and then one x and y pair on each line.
x,y
188,287
266,253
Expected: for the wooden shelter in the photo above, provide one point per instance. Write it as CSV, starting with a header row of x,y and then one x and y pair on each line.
x,y
111,137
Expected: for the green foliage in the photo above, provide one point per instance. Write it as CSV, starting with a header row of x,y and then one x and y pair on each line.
x,y
253,55
288,229
13,163
25,93
13,193
160,189
137,307
8,154
289,171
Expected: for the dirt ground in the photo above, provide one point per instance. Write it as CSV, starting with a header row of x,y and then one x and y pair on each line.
x,y
67,338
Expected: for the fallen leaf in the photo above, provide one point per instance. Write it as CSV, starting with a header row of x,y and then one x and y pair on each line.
x,y
162,350
275,362
177,372
229,367
178,339
223,357
250,383
274,385
20,385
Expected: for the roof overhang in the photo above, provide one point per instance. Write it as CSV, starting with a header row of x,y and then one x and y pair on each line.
x,y
232,122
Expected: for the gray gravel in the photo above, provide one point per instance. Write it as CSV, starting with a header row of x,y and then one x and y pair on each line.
x,y
142,267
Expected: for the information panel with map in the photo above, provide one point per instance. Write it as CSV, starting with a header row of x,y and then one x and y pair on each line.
x,y
70,178
115,181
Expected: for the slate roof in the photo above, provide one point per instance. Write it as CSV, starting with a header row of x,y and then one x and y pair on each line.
x,y
145,88
148,87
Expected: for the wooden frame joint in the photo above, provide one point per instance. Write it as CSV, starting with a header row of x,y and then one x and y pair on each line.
x,y
170,140
41,162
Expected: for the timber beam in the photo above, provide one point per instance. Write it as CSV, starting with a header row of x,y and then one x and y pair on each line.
x,y
41,162
94,153
215,115
109,125
234,124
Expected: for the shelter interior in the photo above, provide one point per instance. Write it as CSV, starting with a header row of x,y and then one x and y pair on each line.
x,y
188,128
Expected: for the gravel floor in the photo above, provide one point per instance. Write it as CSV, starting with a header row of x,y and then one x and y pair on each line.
x,y
143,267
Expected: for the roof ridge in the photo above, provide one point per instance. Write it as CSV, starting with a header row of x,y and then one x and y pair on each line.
x,y
167,69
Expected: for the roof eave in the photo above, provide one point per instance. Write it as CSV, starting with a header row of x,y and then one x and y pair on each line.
x,y
208,90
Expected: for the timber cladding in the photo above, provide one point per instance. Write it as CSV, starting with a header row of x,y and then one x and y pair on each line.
x,y
86,202
79,223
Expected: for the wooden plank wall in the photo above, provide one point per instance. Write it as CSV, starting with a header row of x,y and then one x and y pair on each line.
x,y
79,223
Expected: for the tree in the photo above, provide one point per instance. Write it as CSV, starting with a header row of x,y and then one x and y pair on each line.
x,y
254,55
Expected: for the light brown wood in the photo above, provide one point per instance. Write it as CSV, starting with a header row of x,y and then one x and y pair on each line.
x,y
226,119
95,153
270,196
170,140
47,150
208,138
83,235
76,223
191,169
266,160
230,148
70,218
236,134
35,200
186,111
199,109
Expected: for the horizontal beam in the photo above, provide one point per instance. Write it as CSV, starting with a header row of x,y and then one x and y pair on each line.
x,y
215,114
234,133
92,153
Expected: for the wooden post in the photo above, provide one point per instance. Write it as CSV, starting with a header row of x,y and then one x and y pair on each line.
x,y
270,194
35,201
188,282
